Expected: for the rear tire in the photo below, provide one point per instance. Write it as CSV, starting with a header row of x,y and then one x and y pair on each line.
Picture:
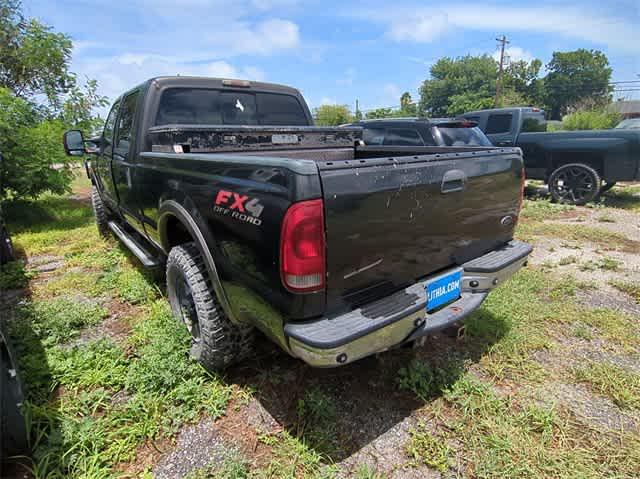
x,y
12,423
216,342
100,212
6,246
575,184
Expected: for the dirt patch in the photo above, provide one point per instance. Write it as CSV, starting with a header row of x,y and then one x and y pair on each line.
x,y
386,455
590,408
116,326
196,447
146,456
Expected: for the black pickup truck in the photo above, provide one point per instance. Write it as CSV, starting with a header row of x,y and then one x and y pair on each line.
x,y
577,165
332,249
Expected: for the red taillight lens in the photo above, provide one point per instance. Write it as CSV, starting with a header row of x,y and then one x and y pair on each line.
x,y
302,247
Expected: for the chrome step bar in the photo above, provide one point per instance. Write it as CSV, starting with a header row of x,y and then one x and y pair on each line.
x,y
142,254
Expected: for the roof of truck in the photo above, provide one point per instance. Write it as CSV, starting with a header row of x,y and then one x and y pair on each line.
x,y
192,81
507,110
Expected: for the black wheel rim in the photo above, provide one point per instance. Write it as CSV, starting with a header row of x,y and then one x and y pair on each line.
x,y
187,306
574,184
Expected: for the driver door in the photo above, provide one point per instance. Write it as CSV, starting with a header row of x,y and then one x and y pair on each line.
x,y
104,178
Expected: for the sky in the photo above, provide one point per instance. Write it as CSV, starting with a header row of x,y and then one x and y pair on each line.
x,y
334,52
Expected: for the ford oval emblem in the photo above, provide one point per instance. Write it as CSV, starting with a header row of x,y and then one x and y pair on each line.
x,y
507,221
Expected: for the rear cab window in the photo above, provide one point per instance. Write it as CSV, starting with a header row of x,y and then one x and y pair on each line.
x,y
402,137
202,106
463,136
396,136
499,123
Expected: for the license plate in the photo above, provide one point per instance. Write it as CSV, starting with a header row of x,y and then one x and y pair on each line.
x,y
443,289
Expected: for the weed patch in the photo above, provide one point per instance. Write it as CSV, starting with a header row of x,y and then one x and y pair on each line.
x,y
621,386
632,289
14,276
428,448
59,320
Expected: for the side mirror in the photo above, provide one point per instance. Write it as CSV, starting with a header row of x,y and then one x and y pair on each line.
x,y
74,143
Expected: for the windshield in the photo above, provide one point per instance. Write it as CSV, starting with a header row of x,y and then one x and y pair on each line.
x,y
463,136
197,106
629,124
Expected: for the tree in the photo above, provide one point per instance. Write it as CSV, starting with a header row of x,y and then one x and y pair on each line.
x,y
407,105
580,76
34,60
34,63
332,115
522,85
459,85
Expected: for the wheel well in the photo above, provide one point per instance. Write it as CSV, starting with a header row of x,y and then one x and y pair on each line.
x,y
592,160
176,233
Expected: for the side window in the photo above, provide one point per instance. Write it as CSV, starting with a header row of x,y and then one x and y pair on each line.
x,y
125,122
110,124
499,123
373,136
403,137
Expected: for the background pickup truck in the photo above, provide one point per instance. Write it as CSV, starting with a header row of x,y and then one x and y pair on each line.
x,y
332,249
573,163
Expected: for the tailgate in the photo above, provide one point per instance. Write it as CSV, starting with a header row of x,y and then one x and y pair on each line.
x,y
392,221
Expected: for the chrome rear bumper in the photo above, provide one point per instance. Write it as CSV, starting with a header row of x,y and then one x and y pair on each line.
x,y
330,342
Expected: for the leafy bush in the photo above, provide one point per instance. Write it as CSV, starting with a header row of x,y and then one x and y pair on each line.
x,y
590,120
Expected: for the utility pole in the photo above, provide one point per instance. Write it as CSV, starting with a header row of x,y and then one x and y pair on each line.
x,y
503,41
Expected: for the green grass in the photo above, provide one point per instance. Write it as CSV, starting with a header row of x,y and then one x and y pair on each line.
x,y
232,466
571,259
628,287
430,449
539,210
428,381
509,436
59,320
14,276
316,421
82,432
365,471
608,240
619,385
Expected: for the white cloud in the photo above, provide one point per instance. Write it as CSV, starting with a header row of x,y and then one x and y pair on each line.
x,y
119,73
347,78
263,38
514,54
328,101
424,25
392,93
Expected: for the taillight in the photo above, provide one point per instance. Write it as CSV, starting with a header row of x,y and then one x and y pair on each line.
x,y
302,247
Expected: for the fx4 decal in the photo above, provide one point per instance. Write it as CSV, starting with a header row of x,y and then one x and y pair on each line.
x,y
240,207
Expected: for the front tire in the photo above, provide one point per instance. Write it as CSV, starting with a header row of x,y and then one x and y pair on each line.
x,y
575,184
216,342
100,212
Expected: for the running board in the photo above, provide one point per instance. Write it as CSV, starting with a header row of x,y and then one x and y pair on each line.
x,y
140,252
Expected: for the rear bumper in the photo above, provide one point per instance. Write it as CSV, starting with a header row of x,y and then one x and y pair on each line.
x,y
400,317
